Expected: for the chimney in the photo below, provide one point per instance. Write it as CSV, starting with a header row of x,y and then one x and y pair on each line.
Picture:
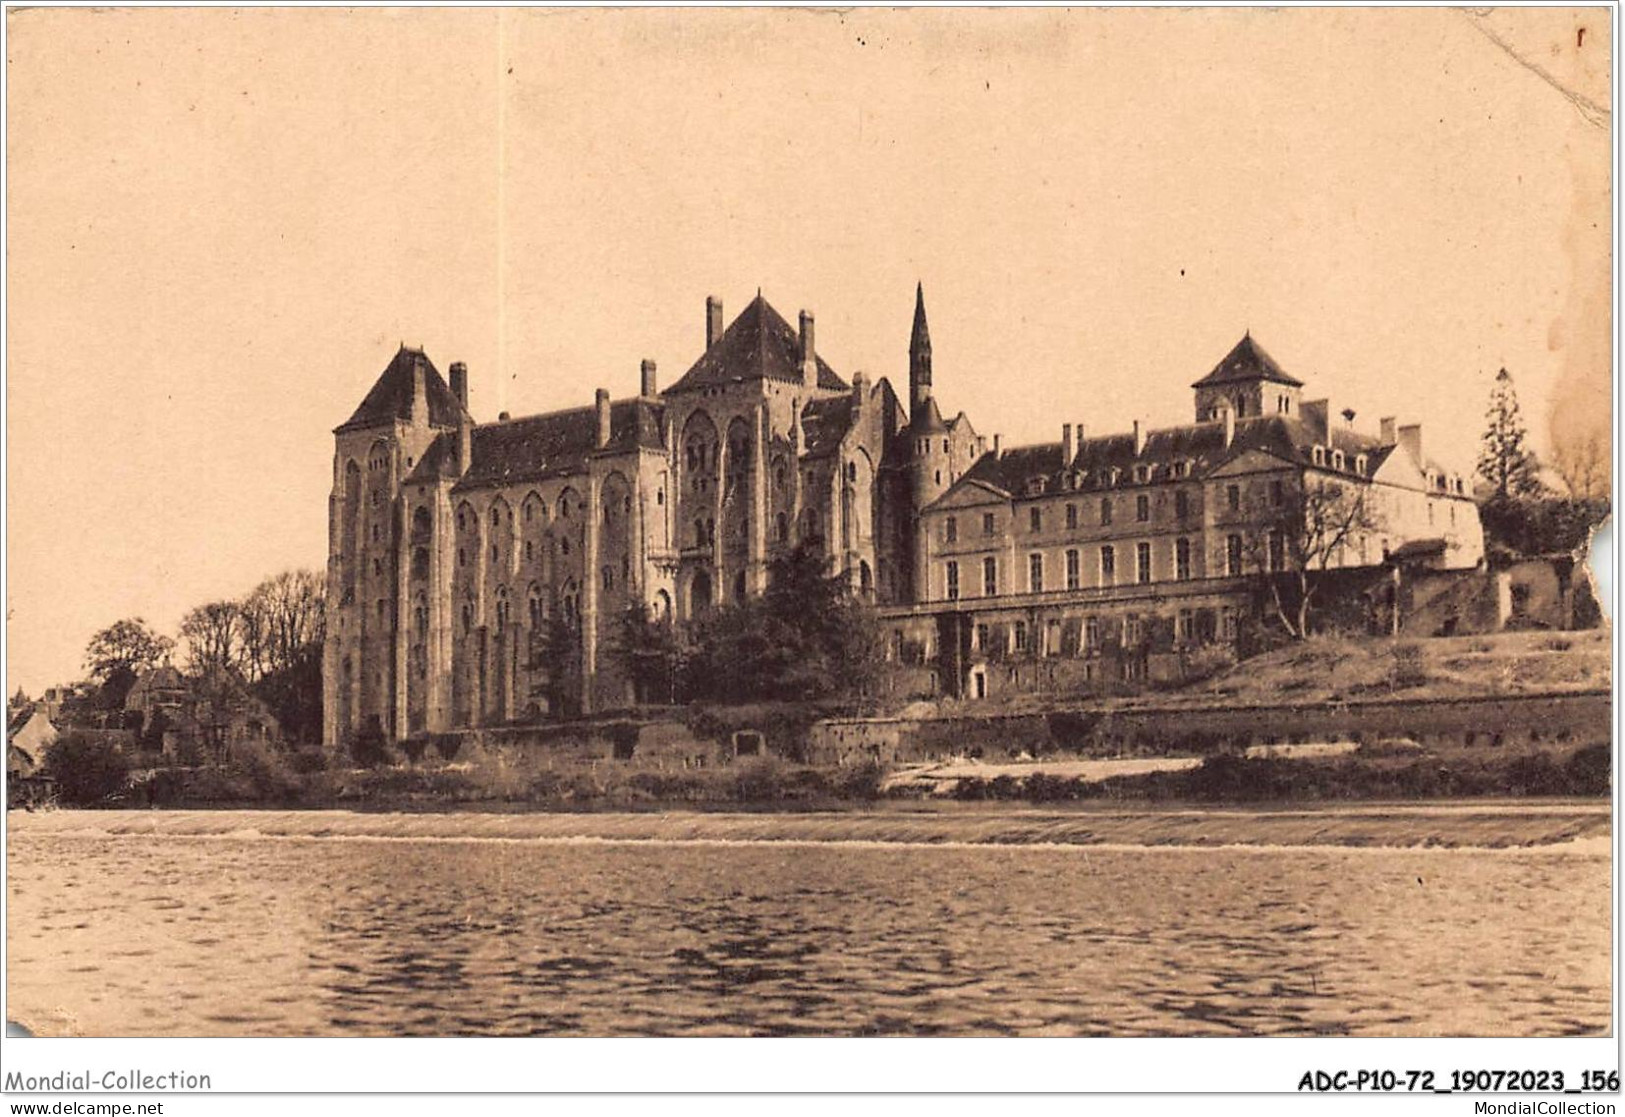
x,y
860,389
459,382
1387,425
602,408
1069,449
465,442
1228,417
713,320
1410,439
809,353
649,389
1139,438
997,450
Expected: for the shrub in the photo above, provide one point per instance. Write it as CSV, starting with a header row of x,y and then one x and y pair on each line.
x,y
762,779
87,770
414,748
448,745
263,770
308,761
861,781
1407,668
1588,770
369,746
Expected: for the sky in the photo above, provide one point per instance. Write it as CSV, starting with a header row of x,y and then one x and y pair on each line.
x,y
222,224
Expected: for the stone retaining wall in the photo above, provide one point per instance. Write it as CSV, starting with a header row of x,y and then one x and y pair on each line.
x,y
1583,717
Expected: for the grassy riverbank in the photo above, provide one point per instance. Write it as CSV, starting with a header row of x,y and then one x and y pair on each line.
x,y
1376,771
1446,825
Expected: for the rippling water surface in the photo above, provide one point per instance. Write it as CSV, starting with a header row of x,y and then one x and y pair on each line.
x,y
145,935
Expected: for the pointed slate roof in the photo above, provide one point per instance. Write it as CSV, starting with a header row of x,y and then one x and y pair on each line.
x,y
1199,446
392,394
1247,361
920,339
556,444
758,345
824,422
927,419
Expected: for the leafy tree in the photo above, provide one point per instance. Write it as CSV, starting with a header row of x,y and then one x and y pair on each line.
x,y
648,653
1319,519
557,651
87,769
807,637
294,695
128,646
1504,462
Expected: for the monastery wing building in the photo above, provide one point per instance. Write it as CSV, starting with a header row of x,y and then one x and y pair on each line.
x,y
457,549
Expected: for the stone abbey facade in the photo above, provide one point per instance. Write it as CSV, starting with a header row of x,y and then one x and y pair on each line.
x,y
455,546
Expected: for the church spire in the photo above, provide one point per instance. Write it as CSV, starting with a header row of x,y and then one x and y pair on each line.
x,y
919,355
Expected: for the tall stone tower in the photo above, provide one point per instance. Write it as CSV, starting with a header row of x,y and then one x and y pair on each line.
x,y
928,436
374,451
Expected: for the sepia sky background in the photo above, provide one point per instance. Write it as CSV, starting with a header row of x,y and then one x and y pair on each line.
x,y
222,224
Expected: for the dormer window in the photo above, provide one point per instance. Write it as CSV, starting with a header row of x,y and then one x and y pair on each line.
x,y
1319,455
1360,464
1142,474
1337,459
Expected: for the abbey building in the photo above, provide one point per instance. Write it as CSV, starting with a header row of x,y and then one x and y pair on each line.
x,y
456,548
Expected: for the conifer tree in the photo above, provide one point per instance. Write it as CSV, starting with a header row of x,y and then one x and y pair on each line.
x,y
1504,461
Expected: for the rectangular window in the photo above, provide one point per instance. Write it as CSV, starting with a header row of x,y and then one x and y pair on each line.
x,y
953,581
987,523
1232,555
1052,638
1091,632
1035,519
1182,559
1021,636
1277,551
1131,630
950,530
1072,570
1142,508
990,577
1182,504
1276,494
1108,566
1035,573
1186,625
1232,498
1227,622
1071,517
1105,509
1142,562
981,637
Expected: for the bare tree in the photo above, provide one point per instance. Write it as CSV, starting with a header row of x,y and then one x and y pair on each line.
x,y
1582,462
282,619
213,635
1318,520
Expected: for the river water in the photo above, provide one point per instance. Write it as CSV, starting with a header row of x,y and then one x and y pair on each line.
x,y
283,936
